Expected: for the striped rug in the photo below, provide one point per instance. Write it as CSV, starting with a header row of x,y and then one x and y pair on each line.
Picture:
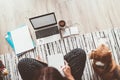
x,y
85,41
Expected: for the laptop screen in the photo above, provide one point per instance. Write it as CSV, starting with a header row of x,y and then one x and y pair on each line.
x,y
43,20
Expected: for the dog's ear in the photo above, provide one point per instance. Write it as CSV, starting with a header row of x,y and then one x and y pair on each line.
x,y
92,54
108,56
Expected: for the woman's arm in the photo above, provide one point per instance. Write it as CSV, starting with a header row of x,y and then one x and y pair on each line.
x,y
67,72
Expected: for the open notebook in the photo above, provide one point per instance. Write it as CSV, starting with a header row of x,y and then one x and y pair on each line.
x,y
70,31
20,39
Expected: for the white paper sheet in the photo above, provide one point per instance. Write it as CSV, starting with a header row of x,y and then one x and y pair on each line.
x,y
21,39
57,61
74,30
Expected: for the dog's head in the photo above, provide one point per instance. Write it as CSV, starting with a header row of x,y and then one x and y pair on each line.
x,y
102,54
3,70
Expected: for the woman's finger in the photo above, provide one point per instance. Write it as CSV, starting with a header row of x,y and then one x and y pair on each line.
x,y
66,63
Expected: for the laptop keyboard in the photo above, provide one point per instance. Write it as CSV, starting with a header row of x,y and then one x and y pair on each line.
x,y
47,32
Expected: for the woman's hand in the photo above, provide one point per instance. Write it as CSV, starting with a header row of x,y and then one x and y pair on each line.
x,y
67,71
40,59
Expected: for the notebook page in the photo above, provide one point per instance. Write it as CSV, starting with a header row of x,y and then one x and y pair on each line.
x,y
74,30
22,39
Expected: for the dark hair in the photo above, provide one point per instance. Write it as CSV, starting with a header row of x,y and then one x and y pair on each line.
x,y
27,67
48,73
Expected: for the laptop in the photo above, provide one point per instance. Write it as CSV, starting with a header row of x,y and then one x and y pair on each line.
x,y
46,29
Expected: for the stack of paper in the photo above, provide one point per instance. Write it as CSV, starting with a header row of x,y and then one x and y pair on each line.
x,y
20,39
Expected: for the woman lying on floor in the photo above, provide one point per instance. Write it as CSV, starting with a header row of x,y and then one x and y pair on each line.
x,y
32,69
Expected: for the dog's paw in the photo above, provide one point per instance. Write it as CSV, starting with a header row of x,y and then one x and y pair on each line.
x,y
5,72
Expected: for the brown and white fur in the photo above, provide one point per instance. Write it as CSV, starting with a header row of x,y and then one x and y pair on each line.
x,y
103,64
3,70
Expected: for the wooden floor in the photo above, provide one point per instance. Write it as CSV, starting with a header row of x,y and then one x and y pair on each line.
x,y
85,41
91,15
